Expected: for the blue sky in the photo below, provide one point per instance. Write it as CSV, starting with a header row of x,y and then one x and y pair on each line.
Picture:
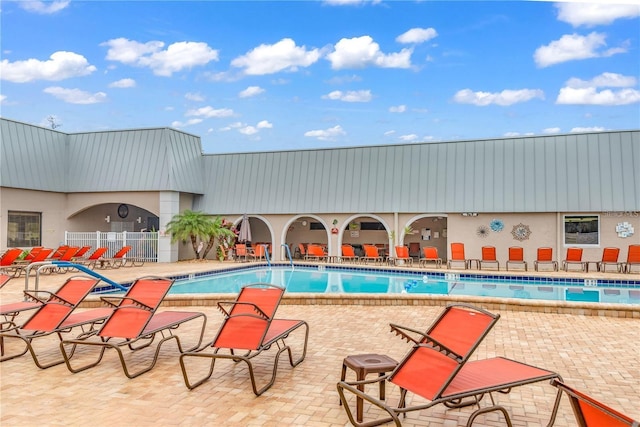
x,y
287,75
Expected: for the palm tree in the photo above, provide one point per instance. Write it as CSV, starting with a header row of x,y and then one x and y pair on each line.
x,y
216,231
190,225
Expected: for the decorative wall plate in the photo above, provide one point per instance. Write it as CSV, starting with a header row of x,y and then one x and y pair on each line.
x,y
496,225
521,232
482,231
624,229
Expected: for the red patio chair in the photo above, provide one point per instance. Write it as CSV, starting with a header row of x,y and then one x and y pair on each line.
x,y
545,257
91,260
117,260
489,257
349,254
19,267
438,370
133,323
516,256
249,328
633,259
315,252
574,257
402,254
609,257
54,316
371,253
430,254
457,255
10,257
591,413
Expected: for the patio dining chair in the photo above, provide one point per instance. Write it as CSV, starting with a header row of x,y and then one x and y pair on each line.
x,y
516,256
573,257
609,257
489,257
430,254
545,257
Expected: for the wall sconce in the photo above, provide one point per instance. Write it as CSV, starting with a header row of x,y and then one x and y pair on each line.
x,y
107,218
139,220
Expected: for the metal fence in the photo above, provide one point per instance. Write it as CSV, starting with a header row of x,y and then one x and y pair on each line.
x,y
144,245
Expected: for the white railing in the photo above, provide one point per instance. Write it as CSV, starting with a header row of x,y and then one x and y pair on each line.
x,y
144,245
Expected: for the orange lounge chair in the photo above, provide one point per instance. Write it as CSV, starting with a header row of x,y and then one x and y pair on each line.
x,y
117,260
402,254
489,257
249,328
4,279
516,256
91,260
19,267
591,413
457,255
349,254
574,257
633,259
82,252
315,252
9,258
134,324
545,257
438,370
54,315
371,253
430,254
241,252
257,253
609,257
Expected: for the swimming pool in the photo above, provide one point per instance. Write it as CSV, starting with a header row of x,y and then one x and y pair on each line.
x,y
369,281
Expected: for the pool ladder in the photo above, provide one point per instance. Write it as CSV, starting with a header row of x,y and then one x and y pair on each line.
x,y
288,252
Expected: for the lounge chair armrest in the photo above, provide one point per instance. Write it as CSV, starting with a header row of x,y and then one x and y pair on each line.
x,y
31,294
403,331
227,312
117,300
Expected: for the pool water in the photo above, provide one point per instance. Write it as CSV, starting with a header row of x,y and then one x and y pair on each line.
x,y
330,280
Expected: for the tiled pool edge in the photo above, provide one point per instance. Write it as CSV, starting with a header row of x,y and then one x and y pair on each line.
x,y
496,304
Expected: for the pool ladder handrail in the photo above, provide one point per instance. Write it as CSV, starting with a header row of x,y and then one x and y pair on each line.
x,y
288,251
266,254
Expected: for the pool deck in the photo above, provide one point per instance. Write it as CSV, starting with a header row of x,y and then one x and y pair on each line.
x,y
596,352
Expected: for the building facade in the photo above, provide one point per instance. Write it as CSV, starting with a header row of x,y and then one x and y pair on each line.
x,y
557,190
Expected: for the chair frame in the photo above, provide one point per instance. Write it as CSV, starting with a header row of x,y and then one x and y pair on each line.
x,y
405,257
352,257
608,258
457,248
274,334
576,398
513,260
425,259
373,255
574,257
85,321
162,324
632,252
460,388
544,260
489,257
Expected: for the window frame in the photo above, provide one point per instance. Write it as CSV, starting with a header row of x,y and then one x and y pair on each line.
x,y
20,221
582,217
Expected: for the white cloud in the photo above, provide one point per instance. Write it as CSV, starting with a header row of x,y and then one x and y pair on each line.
x,y
270,59
360,52
176,57
408,138
389,132
248,130
588,129
551,130
210,112
326,134
76,96
572,47
190,122
123,83
591,14
264,125
504,98
349,96
61,65
3,98
191,96
398,109
44,8
417,35
251,91
585,92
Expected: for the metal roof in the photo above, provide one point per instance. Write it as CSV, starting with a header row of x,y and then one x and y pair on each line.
x,y
587,172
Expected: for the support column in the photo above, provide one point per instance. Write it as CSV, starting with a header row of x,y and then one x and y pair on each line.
x,y
169,206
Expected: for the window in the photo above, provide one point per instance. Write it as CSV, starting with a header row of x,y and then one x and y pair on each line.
x,y
316,226
24,229
582,230
371,226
